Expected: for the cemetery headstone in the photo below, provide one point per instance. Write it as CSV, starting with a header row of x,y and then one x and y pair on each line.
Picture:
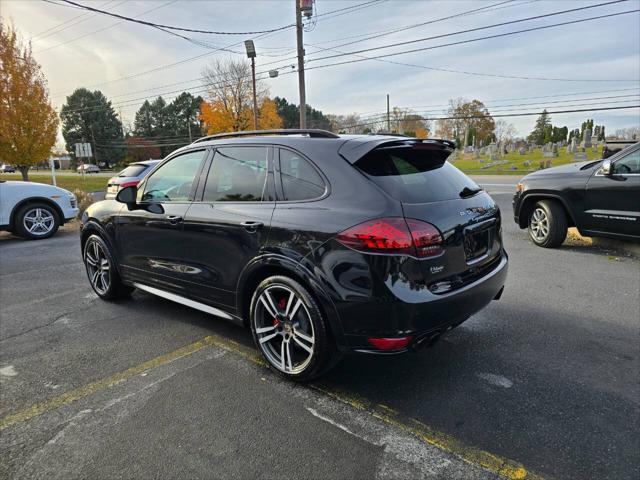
x,y
587,138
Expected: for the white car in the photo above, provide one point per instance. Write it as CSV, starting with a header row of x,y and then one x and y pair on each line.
x,y
35,210
88,168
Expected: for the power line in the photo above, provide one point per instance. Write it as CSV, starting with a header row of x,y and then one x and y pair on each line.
x,y
105,28
507,115
197,57
469,30
85,16
479,39
383,115
170,27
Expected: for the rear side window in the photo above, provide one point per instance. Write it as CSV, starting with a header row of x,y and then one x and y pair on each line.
x,y
237,174
300,180
133,171
415,175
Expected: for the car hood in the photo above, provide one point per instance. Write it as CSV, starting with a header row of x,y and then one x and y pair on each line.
x,y
35,188
569,168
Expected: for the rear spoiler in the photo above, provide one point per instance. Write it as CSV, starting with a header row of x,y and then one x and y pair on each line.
x,y
354,149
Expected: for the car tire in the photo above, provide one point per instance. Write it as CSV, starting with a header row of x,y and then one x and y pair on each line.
x,y
36,221
101,270
290,330
548,224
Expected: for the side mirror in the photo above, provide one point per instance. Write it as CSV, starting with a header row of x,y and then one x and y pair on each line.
x,y
127,195
606,167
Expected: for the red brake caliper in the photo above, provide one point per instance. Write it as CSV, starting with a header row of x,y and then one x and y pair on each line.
x,y
281,305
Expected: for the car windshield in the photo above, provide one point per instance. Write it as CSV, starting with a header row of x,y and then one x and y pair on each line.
x,y
133,170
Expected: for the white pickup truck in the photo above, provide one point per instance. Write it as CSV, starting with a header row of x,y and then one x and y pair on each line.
x,y
35,210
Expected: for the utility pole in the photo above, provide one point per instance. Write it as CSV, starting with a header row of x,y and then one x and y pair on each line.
x,y
301,87
388,116
95,147
255,100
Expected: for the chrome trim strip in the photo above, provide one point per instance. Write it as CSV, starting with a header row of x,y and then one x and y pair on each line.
x,y
184,301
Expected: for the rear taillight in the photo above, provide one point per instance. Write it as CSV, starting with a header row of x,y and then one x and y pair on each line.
x,y
129,184
394,235
426,238
390,344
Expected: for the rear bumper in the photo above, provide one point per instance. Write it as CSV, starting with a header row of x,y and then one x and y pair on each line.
x,y
432,315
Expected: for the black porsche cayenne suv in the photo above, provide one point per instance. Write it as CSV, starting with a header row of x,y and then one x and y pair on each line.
x,y
321,244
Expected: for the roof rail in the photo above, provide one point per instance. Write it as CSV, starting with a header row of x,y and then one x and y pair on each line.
x,y
311,132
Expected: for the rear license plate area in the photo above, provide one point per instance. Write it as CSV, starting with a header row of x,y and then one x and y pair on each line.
x,y
476,244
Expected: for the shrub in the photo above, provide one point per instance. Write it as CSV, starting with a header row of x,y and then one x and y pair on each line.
x,y
84,200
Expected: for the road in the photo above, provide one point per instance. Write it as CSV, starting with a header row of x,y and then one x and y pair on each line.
x,y
543,382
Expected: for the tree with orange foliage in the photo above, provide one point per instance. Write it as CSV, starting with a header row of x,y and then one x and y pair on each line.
x,y
28,122
268,117
230,105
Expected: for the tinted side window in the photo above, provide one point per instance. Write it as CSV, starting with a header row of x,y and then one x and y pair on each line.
x,y
300,180
237,174
628,164
172,182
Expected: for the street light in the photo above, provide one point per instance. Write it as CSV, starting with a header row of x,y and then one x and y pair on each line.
x,y
251,53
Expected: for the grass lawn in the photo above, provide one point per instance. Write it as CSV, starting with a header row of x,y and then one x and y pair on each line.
x,y
90,183
469,164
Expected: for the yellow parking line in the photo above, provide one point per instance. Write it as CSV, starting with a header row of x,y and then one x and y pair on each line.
x,y
493,463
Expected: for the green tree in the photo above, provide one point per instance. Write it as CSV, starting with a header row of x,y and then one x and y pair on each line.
x,y
143,125
183,117
290,115
89,117
541,129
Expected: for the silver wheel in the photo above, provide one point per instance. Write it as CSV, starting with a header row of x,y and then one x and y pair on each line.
x,y
539,225
38,221
284,329
98,266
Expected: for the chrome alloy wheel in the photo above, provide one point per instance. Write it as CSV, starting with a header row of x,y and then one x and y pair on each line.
x,y
38,221
284,329
98,266
539,224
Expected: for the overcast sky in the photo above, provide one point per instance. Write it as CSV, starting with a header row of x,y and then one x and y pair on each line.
x,y
96,52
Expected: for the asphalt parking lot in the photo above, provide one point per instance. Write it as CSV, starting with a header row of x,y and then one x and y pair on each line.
x,y
541,384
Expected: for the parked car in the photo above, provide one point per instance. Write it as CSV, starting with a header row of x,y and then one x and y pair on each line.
x,y
35,210
321,244
5,168
130,176
600,198
88,168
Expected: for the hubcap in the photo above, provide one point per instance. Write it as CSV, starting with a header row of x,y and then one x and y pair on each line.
x,y
539,225
38,221
284,329
98,267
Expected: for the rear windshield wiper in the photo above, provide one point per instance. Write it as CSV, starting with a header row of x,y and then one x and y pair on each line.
x,y
469,192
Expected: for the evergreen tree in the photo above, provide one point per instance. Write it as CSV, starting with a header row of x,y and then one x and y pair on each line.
x,y
540,130
89,117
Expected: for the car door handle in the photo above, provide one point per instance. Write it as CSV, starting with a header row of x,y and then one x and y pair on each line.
x,y
174,219
251,226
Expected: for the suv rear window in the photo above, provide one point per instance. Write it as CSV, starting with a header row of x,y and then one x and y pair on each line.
x,y
415,175
133,170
